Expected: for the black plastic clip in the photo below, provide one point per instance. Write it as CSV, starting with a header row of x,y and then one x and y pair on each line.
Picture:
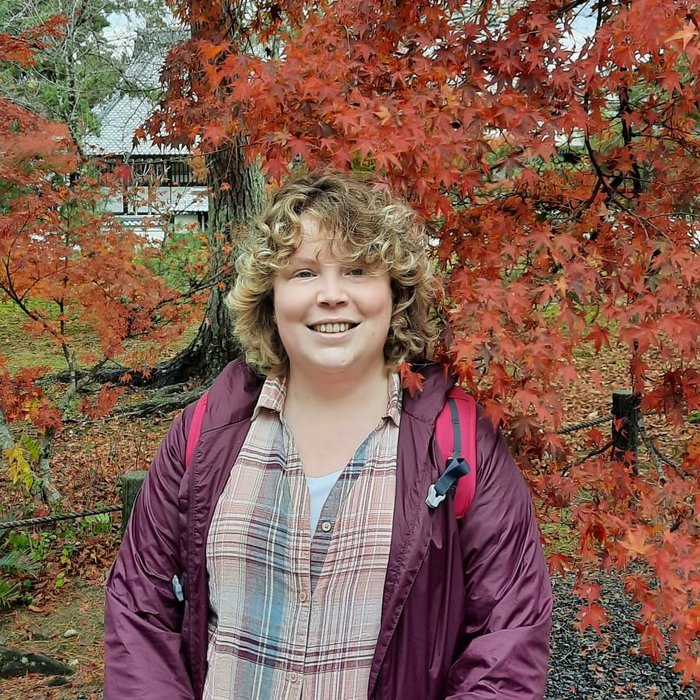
x,y
456,468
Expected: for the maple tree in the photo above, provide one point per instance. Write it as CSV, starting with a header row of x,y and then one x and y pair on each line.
x,y
236,195
560,179
65,264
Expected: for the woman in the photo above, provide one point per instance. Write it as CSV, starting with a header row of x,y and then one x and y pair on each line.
x,y
296,556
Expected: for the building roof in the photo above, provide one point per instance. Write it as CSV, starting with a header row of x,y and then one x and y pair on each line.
x,y
122,114
120,117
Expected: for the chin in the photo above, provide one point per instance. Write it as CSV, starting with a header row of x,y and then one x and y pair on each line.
x,y
349,366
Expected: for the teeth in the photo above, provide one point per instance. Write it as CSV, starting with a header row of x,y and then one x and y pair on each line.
x,y
332,327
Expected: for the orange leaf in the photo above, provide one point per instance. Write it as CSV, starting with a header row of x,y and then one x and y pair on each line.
x,y
636,542
689,667
594,616
413,381
685,34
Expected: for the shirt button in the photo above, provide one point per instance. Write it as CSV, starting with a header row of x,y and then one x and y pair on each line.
x,y
302,596
293,677
326,526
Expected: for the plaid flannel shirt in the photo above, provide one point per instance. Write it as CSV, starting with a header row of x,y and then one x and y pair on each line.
x,y
295,615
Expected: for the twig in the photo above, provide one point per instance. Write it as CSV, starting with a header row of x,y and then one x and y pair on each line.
x,y
161,405
658,456
593,453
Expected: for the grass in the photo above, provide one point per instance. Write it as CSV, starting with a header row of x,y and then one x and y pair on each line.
x,y
561,539
23,350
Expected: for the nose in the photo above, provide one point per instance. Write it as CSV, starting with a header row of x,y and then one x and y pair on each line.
x,y
331,290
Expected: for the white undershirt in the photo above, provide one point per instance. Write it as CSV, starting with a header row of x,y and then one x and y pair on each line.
x,y
319,488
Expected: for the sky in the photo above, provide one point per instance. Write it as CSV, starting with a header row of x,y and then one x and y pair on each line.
x,y
123,28
584,25
121,31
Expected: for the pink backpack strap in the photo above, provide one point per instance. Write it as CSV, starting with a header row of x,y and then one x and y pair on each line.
x,y
455,432
195,429
466,486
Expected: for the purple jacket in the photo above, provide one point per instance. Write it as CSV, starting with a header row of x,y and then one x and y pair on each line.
x,y
467,606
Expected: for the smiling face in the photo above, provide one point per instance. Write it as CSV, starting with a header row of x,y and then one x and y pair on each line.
x,y
332,316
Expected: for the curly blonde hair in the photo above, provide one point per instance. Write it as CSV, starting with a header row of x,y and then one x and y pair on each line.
x,y
368,226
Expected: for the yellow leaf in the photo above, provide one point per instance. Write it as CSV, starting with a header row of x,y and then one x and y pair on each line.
x,y
383,114
18,468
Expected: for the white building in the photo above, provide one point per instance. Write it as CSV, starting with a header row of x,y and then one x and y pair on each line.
x,y
164,196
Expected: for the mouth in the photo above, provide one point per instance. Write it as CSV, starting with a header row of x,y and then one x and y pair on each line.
x,y
331,328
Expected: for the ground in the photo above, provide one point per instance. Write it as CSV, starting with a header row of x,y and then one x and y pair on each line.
x,y
89,461
90,458
43,630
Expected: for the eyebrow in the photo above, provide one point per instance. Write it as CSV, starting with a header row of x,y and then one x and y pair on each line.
x,y
295,260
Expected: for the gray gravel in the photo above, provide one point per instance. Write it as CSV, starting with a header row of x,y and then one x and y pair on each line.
x,y
579,670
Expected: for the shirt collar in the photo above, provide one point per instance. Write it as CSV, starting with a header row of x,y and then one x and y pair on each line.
x,y
272,396
274,392
393,409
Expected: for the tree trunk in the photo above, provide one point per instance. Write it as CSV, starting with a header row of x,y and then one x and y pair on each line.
x,y
231,209
46,488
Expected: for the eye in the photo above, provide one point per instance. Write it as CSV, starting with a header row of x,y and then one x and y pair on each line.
x,y
303,274
356,272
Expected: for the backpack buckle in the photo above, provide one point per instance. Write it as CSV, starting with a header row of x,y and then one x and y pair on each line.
x,y
456,468
434,498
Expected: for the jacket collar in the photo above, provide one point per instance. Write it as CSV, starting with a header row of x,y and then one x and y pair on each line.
x,y
236,380
428,402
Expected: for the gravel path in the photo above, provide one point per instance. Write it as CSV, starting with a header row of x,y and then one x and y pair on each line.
x,y
579,670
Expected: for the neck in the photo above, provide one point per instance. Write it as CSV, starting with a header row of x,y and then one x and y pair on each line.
x,y
336,389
